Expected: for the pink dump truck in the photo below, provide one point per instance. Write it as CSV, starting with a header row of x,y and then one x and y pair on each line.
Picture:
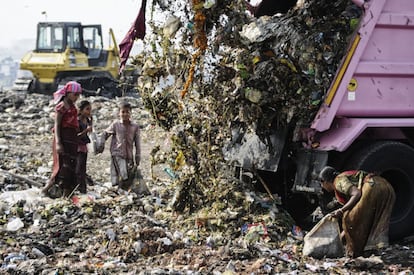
x,y
366,120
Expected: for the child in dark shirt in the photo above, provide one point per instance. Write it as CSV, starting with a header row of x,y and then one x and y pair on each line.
x,y
85,127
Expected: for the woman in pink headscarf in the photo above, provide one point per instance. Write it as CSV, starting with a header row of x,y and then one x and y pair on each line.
x,y
65,139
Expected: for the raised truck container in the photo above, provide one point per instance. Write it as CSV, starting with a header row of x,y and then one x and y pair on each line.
x,y
366,120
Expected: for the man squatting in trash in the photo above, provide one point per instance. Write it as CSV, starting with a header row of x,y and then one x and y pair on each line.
x,y
125,134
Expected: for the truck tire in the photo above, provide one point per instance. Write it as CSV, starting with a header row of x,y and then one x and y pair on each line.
x,y
393,161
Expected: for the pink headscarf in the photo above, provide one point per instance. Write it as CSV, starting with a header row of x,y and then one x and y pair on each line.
x,y
70,87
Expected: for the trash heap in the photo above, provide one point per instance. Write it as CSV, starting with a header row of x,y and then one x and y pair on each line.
x,y
198,218
233,76
241,73
108,229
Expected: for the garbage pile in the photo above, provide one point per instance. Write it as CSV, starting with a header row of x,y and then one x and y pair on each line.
x,y
109,229
236,76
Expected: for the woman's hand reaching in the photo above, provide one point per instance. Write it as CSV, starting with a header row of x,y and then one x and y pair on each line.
x,y
338,213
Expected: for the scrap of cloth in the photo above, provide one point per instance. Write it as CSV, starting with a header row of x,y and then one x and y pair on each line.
x,y
136,31
71,86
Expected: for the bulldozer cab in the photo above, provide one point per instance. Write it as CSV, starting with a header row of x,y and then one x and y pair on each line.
x,y
59,36
92,40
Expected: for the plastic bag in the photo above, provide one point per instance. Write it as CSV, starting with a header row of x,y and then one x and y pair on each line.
x,y
97,144
130,172
324,240
140,185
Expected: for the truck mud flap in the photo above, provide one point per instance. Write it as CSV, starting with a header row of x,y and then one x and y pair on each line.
x,y
309,163
255,153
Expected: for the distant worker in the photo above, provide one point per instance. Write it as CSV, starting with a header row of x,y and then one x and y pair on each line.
x,y
85,127
65,139
125,134
367,201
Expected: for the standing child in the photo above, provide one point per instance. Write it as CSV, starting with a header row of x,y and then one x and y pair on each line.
x,y
125,134
65,138
85,127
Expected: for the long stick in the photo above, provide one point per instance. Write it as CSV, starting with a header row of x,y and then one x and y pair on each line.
x,y
265,186
29,181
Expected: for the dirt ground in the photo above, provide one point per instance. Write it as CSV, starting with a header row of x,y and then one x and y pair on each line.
x,y
82,240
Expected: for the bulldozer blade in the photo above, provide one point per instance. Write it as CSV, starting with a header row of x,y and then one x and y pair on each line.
x,y
22,84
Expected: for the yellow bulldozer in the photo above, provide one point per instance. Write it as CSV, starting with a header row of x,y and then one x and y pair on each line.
x,y
68,51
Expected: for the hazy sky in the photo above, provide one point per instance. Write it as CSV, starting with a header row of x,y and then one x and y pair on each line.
x,y
19,18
